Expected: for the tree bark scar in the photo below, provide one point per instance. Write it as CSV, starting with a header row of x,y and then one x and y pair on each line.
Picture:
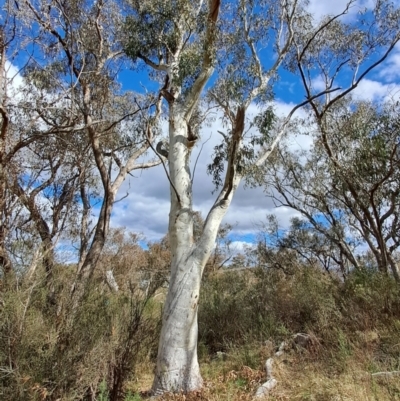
x,y
167,96
191,137
236,136
239,123
215,10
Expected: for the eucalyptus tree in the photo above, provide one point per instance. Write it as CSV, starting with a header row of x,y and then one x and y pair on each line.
x,y
347,184
182,43
177,40
83,134
19,132
310,242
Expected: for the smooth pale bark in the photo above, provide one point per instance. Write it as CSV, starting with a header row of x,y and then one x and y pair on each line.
x,y
177,364
111,282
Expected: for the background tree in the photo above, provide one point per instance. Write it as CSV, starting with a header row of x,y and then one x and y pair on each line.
x,y
72,125
87,45
346,185
302,243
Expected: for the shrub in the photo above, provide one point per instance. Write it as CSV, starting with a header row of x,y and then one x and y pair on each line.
x,y
237,308
111,332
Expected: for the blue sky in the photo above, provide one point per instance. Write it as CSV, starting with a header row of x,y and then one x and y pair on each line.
x,y
146,208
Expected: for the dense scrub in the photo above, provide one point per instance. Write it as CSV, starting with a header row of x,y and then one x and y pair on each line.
x,y
244,315
111,334
257,305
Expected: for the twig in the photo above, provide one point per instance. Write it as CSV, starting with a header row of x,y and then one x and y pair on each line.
x,y
165,168
392,373
197,158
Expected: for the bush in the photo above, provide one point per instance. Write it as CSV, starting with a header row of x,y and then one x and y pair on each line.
x,y
231,314
370,299
237,308
111,333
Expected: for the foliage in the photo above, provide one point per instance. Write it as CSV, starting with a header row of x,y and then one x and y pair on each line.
x,y
345,186
238,308
112,333
152,35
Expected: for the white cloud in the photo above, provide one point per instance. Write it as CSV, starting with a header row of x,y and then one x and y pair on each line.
x,y
238,245
320,8
146,208
282,108
390,71
15,82
371,90
318,84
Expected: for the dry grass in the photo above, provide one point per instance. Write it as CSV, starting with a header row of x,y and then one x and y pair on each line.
x,y
354,326
302,376
298,380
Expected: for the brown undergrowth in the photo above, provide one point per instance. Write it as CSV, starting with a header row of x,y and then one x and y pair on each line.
x,y
354,328
301,375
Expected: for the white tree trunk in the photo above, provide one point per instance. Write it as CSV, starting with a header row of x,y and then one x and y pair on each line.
x,y
177,364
